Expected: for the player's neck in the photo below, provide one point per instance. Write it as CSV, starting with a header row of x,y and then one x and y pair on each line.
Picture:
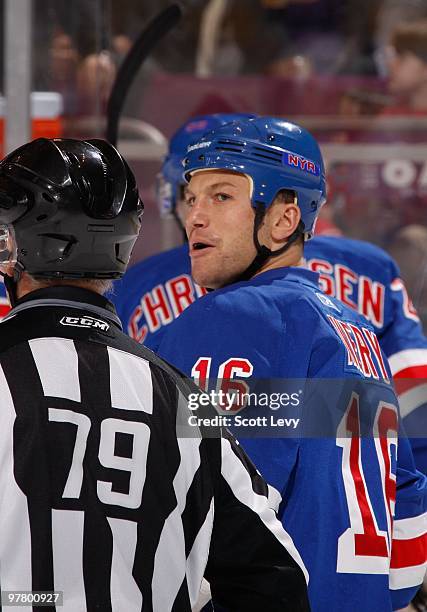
x,y
292,257
28,284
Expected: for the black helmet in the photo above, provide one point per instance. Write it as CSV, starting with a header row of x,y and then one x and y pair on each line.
x,y
72,207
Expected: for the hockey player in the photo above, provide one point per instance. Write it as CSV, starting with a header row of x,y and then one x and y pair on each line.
x,y
100,499
255,189
156,290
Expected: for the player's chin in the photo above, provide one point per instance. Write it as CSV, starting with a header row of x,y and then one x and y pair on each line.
x,y
202,279
205,277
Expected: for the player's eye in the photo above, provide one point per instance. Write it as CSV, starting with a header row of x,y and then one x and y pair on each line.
x,y
189,200
222,197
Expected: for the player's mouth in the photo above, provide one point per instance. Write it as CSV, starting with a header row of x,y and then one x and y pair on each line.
x,y
199,248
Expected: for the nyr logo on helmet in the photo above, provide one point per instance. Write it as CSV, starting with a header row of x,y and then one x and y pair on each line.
x,y
87,322
197,126
296,161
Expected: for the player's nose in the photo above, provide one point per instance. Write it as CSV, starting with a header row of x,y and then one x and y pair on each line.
x,y
198,215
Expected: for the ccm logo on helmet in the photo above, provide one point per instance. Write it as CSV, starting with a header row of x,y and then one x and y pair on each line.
x,y
85,322
296,161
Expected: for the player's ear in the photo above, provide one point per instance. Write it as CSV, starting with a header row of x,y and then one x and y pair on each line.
x,y
284,220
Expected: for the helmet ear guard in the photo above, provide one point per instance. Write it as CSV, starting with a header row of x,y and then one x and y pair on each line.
x,y
14,201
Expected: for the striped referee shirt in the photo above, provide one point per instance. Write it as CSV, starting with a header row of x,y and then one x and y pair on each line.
x,y
101,498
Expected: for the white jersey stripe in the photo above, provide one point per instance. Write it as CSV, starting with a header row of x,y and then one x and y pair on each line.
x,y
274,498
204,596
239,481
15,539
409,528
198,557
169,563
125,593
407,577
407,359
57,364
169,567
67,548
189,453
131,385
190,462
412,399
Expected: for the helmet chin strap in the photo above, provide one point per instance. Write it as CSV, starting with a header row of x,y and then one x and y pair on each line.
x,y
263,252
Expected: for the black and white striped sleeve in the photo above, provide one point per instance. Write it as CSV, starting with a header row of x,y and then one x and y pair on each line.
x,y
253,563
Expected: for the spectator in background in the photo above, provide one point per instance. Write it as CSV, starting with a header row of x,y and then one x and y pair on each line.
x,y
310,28
72,42
407,66
361,101
84,79
61,67
297,67
299,37
409,248
391,13
334,35
95,77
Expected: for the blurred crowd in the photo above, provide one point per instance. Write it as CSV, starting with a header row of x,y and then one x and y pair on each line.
x,y
80,45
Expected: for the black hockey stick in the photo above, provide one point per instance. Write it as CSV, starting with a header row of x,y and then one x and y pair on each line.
x,y
152,34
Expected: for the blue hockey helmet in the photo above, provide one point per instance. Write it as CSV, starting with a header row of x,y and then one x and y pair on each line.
x,y
274,153
170,179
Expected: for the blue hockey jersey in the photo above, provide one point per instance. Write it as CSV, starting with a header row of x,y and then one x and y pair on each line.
x,y
339,499
366,279
155,291
4,301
